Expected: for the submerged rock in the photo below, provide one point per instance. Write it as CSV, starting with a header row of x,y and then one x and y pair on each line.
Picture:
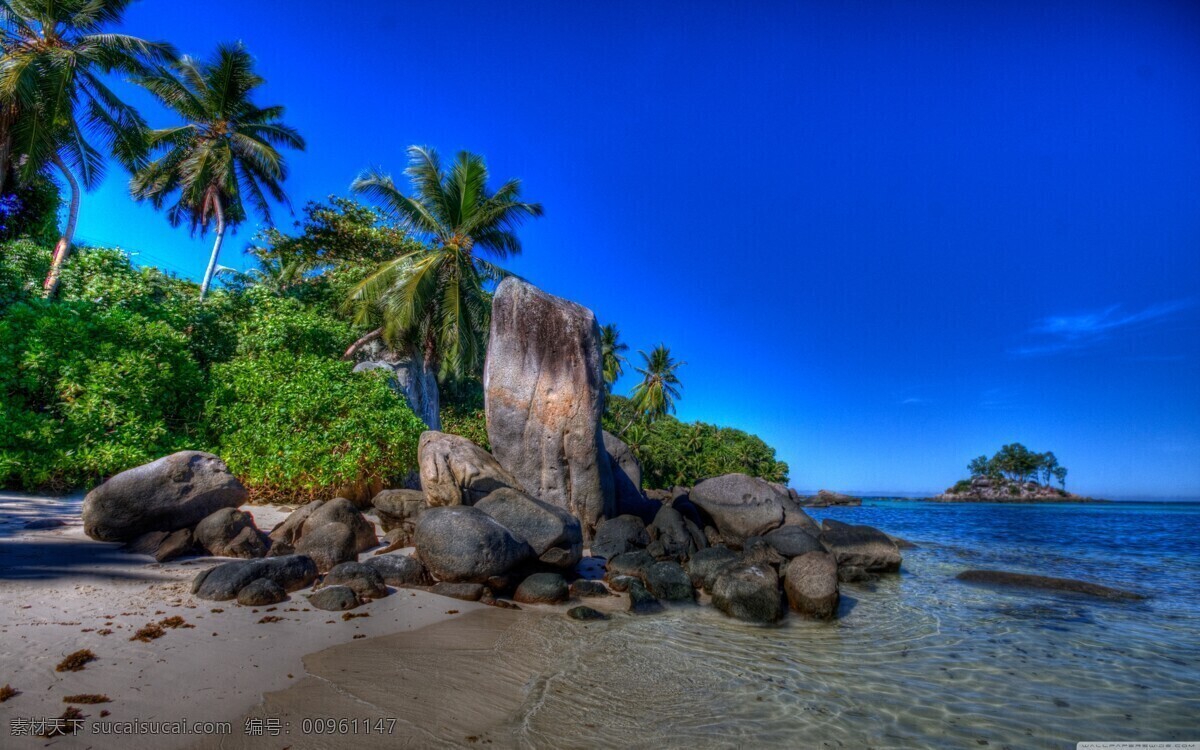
x,y
641,601
585,613
174,492
1025,580
544,395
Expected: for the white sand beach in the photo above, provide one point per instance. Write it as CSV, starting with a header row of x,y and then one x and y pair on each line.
x,y
61,592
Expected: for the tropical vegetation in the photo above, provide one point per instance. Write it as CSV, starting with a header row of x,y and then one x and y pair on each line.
x,y
1014,462
105,364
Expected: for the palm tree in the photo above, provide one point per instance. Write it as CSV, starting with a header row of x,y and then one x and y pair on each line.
x,y
655,396
611,352
434,301
224,156
53,99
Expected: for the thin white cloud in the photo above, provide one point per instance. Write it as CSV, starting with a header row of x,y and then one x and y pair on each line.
x,y
914,401
1063,333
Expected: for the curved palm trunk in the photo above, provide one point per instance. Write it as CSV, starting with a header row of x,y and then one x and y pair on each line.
x,y
368,338
50,288
216,251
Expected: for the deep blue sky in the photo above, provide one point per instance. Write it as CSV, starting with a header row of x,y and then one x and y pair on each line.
x,y
886,236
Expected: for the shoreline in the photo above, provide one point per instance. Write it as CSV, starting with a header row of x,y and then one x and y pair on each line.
x,y
61,592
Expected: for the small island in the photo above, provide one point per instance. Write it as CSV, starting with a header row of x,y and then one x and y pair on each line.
x,y
1014,474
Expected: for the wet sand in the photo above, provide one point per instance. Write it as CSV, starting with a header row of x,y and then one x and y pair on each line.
x,y
449,684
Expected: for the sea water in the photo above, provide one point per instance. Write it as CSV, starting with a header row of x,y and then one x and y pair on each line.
x,y
915,660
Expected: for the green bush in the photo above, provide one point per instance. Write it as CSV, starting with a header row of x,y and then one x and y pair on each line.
x,y
462,412
301,427
88,392
23,265
31,211
679,453
283,325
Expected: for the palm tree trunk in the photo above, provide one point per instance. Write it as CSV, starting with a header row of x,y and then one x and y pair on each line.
x,y
216,251
362,342
64,243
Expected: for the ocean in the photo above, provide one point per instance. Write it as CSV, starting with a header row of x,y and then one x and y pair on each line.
x,y
915,660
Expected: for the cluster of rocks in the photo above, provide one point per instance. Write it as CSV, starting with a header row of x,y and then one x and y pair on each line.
x,y
984,489
513,523
182,504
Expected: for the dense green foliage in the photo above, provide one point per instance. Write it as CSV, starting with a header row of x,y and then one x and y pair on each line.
x,y
680,453
30,210
119,372
88,391
1019,464
299,427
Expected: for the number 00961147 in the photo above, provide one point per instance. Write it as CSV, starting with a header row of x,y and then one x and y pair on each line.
x,y
330,725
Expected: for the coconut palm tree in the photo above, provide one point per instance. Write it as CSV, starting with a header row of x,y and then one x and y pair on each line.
x,y
54,103
434,301
612,354
656,395
224,156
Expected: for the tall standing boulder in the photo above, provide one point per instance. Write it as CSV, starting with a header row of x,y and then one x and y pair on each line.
x,y
455,471
627,479
413,380
174,492
544,396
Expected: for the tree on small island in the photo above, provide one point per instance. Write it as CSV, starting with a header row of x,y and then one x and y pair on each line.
x,y
1014,465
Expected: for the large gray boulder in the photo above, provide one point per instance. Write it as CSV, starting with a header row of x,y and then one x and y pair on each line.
x,y
462,544
400,571
365,580
542,588
223,582
793,541
742,506
230,533
329,545
414,381
616,536
544,395
340,510
455,471
288,530
811,583
398,508
678,536
553,533
860,546
749,593
174,492
627,479
669,582
704,566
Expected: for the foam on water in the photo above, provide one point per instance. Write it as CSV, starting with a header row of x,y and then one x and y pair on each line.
x,y
915,660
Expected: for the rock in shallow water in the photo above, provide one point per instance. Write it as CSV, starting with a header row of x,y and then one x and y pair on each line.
x,y
668,582
585,613
583,589
1024,580
174,492
749,593
641,601
861,546
542,588
811,584
544,395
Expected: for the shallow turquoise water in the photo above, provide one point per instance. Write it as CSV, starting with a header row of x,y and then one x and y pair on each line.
x,y
915,660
